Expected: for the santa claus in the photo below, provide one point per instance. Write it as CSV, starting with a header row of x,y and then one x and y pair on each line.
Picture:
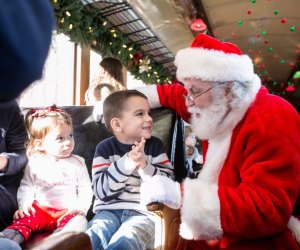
x,y
247,194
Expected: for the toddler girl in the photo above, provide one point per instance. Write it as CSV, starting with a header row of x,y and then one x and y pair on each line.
x,y
55,192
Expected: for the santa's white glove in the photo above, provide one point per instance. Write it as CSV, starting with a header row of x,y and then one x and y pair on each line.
x,y
161,189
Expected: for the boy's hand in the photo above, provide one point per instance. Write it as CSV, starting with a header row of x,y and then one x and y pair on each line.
x,y
24,211
137,154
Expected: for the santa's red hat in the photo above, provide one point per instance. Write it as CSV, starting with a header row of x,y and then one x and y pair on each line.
x,y
209,59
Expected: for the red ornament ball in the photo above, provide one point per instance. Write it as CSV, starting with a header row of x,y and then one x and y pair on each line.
x,y
290,88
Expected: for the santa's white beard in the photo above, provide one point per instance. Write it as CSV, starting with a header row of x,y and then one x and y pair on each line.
x,y
208,122
225,111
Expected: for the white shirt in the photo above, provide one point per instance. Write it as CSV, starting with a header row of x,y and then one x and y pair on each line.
x,y
57,183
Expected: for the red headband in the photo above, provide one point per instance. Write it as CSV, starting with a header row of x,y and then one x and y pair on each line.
x,y
43,112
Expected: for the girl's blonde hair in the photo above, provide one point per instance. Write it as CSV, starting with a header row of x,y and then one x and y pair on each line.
x,y
95,91
40,121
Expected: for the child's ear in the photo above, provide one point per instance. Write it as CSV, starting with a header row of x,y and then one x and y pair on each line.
x,y
38,145
115,124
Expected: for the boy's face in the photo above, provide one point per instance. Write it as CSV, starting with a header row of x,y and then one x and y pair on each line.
x,y
59,141
135,122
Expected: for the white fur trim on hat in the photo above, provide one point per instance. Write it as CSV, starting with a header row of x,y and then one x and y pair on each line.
x,y
213,65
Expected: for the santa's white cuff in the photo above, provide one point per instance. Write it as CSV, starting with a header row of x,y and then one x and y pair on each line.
x,y
200,212
294,226
151,92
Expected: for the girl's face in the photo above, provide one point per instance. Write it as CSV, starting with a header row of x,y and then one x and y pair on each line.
x,y
135,122
58,142
190,140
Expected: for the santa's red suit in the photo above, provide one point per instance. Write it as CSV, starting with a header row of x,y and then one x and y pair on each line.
x,y
247,195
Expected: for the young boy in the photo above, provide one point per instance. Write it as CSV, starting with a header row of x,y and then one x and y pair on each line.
x,y
121,163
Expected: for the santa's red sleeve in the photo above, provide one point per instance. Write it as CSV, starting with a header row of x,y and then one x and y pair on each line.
x,y
169,96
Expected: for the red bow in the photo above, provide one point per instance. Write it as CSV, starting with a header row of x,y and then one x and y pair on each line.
x,y
43,112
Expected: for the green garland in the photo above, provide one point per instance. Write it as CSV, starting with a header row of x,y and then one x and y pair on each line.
x,y
82,24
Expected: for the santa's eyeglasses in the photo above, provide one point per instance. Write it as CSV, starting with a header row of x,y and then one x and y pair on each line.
x,y
192,98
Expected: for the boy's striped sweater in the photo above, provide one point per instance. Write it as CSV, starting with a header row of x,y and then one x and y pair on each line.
x,y
115,180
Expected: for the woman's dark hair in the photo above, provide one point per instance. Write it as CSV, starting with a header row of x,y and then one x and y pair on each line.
x,y
114,69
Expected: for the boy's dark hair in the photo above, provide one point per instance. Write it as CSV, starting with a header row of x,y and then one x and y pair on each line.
x,y
113,105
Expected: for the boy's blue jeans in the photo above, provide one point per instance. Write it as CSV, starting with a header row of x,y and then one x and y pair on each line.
x,y
121,229
8,244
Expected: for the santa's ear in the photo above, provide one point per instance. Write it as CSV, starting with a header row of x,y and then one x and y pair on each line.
x,y
228,87
116,124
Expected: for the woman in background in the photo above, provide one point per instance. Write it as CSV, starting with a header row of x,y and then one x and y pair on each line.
x,y
111,72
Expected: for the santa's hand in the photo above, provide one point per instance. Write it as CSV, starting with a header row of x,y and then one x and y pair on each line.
x,y
161,189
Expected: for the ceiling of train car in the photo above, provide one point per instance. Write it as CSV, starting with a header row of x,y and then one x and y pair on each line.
x,y
267,30
157,26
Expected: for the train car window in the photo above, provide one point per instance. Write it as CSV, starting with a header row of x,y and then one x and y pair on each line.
x,y
56,85
61,81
